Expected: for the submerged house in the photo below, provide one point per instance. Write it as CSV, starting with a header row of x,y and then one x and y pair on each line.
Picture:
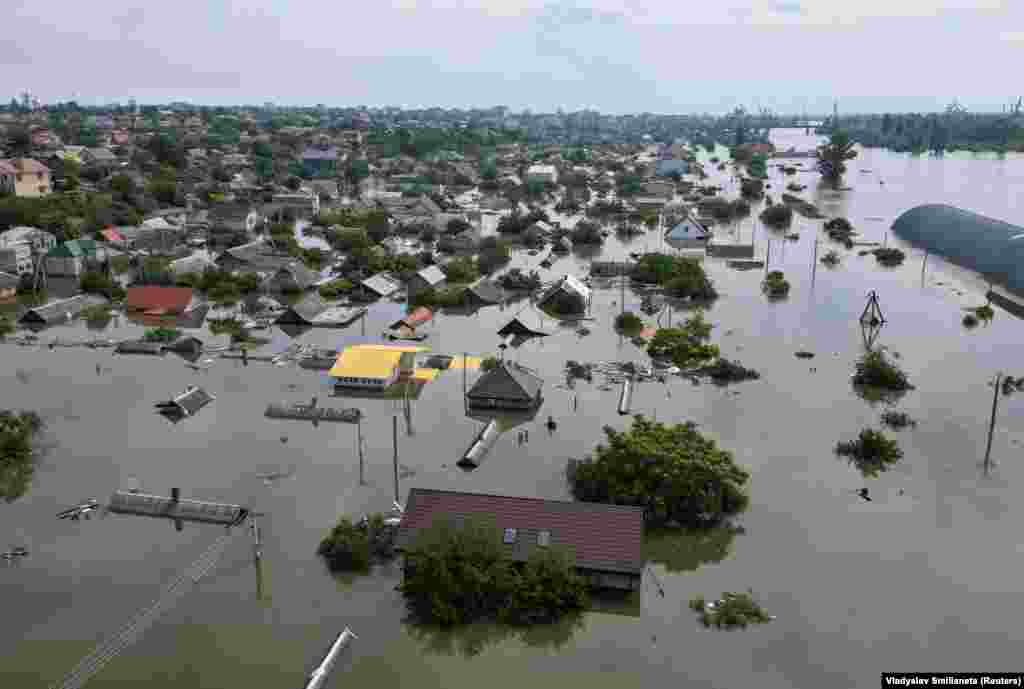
x,y
605,540
484,293
509,386
568,295
373,368
688,235
312,310
381,285
430,277
60,311
526,323
157,300
72,258
257,257
293,277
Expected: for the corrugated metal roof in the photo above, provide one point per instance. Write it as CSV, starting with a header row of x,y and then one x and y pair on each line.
x,y
359,362
123,502
569,284
600,537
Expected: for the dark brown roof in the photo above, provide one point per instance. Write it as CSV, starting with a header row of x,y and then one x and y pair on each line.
x,y
601,537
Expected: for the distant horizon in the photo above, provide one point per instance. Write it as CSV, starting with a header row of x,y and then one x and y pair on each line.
x,y
615,56
97,103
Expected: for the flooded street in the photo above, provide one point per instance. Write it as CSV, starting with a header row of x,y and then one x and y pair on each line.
x,y
924,576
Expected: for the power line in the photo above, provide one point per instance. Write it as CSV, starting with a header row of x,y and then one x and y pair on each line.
x,y
91,665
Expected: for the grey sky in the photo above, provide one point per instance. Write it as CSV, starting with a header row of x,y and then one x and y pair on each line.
x,y
613,55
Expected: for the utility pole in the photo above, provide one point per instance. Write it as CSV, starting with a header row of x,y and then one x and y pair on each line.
x,y
814,264
359,441
394,439
992,421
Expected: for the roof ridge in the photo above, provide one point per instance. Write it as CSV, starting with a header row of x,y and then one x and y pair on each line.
x,y
599,505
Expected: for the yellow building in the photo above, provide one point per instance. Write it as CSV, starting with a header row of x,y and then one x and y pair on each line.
x,y
367,368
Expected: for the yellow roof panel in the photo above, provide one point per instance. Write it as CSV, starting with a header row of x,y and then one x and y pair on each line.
x,y
360,362
471,362
390,348
425,374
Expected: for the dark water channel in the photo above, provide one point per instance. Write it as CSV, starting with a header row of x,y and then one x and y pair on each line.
x,y
927,575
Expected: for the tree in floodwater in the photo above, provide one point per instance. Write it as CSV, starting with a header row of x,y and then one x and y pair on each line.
x,y
673,471
833,155
17,452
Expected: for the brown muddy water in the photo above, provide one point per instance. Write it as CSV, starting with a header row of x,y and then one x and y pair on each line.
x,y
926,576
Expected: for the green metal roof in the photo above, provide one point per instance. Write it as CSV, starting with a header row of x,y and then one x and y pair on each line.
x,y
74,248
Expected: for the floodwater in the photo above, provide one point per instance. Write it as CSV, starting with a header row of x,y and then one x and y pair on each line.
x,y
924,576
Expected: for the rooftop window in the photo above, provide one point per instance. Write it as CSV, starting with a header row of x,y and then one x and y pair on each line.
x,y
543,538
510,536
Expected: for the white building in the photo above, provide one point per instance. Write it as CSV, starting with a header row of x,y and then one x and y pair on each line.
x,y
17,246
542,173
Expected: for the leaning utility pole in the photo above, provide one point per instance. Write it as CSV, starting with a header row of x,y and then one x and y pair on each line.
x,y
992,421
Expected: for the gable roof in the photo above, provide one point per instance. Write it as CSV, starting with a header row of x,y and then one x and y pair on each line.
x,y
159,298
508,381
600,537
101,154
526,322
303,276
58,311
569,284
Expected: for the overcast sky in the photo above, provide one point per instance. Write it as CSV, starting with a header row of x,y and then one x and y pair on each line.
x,y
666,56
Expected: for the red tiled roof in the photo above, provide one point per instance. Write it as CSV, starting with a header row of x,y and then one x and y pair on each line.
x,y
112,235
153,298
601,537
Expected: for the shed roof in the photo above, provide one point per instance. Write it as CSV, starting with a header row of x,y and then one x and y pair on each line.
x,y
432,275
382,284
600,537
507,381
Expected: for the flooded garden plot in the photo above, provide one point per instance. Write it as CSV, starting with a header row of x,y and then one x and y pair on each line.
x,y
923,575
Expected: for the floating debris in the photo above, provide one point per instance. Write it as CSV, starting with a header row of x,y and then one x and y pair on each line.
x,y
311,412
804,354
